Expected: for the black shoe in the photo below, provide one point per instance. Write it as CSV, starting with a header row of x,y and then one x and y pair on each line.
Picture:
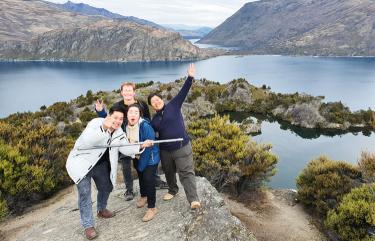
x,y
129,195
161,185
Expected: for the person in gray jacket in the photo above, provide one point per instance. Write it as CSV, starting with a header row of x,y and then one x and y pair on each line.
x,y
90,158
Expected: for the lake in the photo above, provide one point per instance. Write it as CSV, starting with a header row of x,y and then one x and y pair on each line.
x,y
25,86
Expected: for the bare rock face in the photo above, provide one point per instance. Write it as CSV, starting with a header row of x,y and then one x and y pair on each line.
x,y
302,114
174,221
294,27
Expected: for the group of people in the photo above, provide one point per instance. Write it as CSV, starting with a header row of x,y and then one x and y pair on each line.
x,y
127,134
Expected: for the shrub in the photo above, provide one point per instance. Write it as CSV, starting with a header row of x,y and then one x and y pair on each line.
x,y
60,111
355,215
322,184
142,85
33,163
227,157
195,93
336,112
87,115
74,129
3,209
367,166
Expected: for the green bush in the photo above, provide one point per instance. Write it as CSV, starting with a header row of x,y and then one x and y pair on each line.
x,y
142,85
322,184
194,94
355,215
335,112
367,166
60,111
74,130
3,209
32,162
227,157
87,115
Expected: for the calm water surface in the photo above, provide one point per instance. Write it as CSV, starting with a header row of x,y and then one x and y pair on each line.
x,y
25,86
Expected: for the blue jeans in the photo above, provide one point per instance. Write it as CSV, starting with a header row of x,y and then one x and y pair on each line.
x,y
100,173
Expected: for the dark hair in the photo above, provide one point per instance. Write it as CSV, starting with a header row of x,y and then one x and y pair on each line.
x,y
152,95
139,108
117,108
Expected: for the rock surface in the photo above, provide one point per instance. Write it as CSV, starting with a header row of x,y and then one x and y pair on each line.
x,y
174,221
294,27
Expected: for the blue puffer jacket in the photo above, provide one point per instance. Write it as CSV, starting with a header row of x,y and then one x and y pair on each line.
x,y
150,156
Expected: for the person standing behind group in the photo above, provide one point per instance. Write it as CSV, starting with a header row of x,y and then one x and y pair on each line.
x,y
175,156
128,93
139,130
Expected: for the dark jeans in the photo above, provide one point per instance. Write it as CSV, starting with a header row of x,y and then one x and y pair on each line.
x,y
100,173
147,184
127,172
180,161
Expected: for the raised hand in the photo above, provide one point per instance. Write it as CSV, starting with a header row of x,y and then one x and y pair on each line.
x,y
108,123
99,105
191,70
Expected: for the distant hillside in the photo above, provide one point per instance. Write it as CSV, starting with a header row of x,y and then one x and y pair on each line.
x,y
189,32
38,30
311,27
89,10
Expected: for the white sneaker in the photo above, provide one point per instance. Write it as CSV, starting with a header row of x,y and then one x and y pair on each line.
x,y
168,197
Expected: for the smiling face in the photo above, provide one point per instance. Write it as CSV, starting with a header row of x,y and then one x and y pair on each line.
x,y
128,93
117,118
133,115
157,103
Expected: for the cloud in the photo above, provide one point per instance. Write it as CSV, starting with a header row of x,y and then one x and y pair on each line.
x,y
192,12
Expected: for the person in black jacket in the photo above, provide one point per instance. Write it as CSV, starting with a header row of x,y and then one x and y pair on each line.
x,y
128,94
175,157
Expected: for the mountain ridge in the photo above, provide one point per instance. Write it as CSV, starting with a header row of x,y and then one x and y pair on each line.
x,y
292,27
37,30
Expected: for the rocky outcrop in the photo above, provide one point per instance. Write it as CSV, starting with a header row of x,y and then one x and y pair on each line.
x,y
302,114
293,27
174,221
250,126
36,30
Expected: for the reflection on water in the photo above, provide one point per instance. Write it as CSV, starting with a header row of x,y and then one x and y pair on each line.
x,y
296,146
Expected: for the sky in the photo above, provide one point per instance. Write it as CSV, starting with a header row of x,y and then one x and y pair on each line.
x,y
209,13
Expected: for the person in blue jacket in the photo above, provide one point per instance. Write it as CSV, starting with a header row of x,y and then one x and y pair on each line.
x,y
138,130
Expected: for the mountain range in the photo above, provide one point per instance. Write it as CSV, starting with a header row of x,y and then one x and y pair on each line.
x,y
186,31
39,30
295,27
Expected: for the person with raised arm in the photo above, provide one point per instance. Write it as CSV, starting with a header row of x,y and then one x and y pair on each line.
x,y
175,157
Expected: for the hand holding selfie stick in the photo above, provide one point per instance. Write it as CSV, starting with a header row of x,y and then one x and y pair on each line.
x,y
130,144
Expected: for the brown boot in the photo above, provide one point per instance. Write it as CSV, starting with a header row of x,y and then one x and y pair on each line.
x,y
91,233
150,214
141,202
106,214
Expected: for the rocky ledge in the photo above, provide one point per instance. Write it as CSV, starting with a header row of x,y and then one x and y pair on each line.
x,y
174,221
